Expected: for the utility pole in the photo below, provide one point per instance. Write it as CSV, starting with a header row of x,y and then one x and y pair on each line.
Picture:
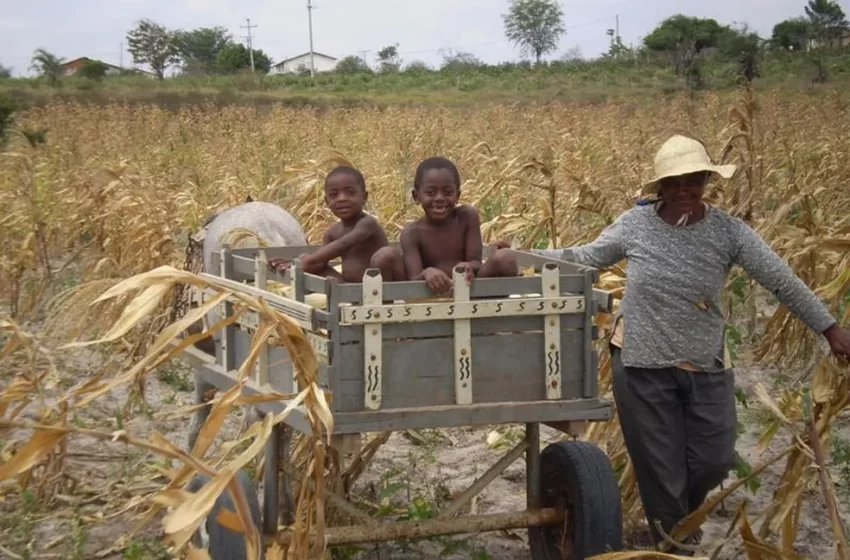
x,y
310,22
363,56
121,55
617,20
250,44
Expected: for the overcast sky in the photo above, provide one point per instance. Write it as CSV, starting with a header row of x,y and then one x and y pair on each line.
x,y
97,28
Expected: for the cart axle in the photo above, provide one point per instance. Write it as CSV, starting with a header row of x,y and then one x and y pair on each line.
x,y
413,530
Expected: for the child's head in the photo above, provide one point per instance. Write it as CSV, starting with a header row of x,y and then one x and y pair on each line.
x,y
436,187
345,192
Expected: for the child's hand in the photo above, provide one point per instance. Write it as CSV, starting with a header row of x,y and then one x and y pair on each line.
x,y
500,244
280,265
437,280
468,273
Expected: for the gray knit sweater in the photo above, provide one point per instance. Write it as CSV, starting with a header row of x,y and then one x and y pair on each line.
x,y
676,276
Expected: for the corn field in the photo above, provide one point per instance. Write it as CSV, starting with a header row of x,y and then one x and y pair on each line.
x,y
96,218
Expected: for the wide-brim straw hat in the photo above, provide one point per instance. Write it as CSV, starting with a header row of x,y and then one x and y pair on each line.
x,y
681,155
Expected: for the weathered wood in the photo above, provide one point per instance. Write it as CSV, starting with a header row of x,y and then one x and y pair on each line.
x,y
438,329
571,284
460,309
424,529
506,368
301,313
526,259
591,374
452,415
484,480
573,428
214,375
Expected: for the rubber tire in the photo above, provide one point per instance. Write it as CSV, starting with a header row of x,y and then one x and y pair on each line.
x,y
577,476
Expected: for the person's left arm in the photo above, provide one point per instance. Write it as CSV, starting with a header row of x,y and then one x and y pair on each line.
x,y
759,260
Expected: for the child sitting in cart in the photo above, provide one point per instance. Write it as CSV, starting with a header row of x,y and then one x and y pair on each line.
x,y
357,238
448,235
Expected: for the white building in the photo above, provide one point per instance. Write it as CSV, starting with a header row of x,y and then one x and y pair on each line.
x,y
321,63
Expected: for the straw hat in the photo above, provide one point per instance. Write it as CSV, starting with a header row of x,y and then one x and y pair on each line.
x,y
681,155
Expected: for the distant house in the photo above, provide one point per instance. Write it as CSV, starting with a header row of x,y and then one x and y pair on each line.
x,y
321,62
73,66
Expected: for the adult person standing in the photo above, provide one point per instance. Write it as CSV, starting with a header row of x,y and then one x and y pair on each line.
x,y
672,381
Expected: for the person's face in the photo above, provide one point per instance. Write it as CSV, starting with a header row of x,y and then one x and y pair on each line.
x,y
437,193
684,192
344,195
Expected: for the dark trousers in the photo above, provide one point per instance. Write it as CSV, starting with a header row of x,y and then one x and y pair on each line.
x,y
679,428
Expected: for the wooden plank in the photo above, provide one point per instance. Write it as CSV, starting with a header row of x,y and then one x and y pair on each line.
x,y
280,367
302,313
421,372
260,281
551,336
571,284
227,351
593,410
372,345
462,339
591,375
458,309
283,252
243,269
435,329
527,259
215,375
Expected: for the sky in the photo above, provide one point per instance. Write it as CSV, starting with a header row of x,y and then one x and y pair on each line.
x,y
423,30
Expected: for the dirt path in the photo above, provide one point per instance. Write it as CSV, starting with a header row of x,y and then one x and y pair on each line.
x,y
423,468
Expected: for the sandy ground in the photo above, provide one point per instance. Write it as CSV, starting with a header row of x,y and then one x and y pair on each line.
x,y
424,467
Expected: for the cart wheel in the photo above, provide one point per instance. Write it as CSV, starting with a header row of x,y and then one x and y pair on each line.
x,y
577,476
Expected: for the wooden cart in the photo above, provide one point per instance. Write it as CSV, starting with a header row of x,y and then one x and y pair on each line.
x,y
394,357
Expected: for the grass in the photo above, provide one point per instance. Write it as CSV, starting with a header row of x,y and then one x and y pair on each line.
x,y
564,81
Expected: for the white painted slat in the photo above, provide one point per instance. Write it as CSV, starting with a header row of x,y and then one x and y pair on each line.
x,y
462,340
372,341
452,310
552,333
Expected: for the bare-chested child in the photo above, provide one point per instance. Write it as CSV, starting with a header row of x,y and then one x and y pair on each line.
x,y
448,235
357,238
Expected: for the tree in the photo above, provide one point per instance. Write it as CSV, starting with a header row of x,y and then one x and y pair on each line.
x,y
388,59
535,26
678,30
791,34
199,48
744,47
235,57
93,70
459,62
828,21
48,66
5,72
352,65
683,38
417,68
152,44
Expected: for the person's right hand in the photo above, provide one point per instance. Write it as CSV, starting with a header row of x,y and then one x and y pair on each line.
x,y
280,265
437,280
500,244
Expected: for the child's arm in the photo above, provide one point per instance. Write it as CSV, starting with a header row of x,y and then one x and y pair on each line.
x,y
434,277
333,248
473,245
410,253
